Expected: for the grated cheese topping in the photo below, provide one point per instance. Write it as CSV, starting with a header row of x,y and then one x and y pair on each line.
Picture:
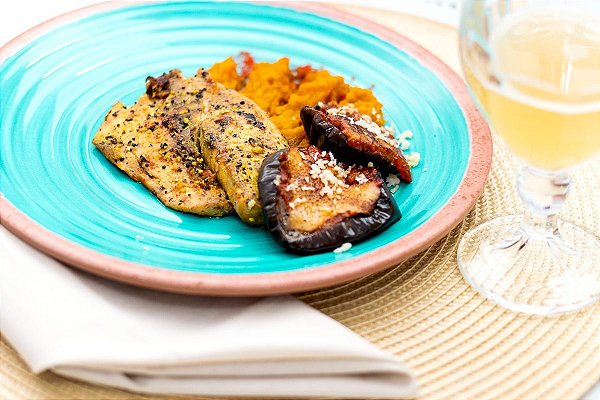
x,y
413,159
291,186
344,247
361,178
393,182
297,201
329,172
326,177
385,133
404,139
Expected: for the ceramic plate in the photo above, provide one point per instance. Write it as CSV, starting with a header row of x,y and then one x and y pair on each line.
x,y
61,195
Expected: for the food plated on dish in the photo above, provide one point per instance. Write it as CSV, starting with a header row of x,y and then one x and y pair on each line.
x,y
96,218
203,147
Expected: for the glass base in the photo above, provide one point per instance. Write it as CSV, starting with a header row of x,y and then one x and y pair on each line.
x,y
530,271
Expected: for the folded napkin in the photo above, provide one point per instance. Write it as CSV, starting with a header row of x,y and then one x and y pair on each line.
x,y
95,330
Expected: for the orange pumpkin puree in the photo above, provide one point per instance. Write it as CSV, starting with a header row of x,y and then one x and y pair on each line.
x,y
282,91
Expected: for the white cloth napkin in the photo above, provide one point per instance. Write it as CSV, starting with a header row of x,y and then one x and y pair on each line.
x,y
91,329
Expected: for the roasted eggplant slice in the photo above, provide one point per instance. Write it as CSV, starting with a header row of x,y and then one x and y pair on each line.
x,y
353,137
313,203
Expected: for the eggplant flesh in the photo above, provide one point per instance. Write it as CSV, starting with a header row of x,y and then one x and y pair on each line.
x,y
350,142
351,229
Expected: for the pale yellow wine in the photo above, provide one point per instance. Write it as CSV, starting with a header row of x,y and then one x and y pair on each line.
x,y
541,86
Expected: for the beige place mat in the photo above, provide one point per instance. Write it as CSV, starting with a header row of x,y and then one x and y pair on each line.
x,y
460,345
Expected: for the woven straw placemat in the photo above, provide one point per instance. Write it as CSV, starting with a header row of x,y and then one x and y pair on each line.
x,y
460,345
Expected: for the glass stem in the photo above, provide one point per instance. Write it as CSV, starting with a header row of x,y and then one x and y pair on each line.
x,y
543,194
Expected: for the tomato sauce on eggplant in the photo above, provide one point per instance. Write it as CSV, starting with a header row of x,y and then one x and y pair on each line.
x,y
352,137
313,203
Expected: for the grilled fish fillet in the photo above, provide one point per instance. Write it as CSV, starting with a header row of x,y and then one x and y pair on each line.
x,y
233,133
235,137
158,149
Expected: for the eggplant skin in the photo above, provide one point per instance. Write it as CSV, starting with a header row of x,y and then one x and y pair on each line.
x,y
351,230
323,134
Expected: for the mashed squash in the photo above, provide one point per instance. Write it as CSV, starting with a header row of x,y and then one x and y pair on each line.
x,y
282,91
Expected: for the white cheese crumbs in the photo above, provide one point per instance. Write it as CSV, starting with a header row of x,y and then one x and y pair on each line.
x,y
384,133
365,121
291,186
314,170
413,159
403,139
348,110
330,183
331,175
297,201
361,178
344,247
277,180
392,180
405,135
251,204
307,188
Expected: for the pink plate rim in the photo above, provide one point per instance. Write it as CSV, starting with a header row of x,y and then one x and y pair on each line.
x,y
377,260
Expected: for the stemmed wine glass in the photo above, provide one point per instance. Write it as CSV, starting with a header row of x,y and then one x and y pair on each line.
x,y
534,69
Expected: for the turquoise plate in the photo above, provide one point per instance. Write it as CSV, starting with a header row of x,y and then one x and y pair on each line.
x,y
60,194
